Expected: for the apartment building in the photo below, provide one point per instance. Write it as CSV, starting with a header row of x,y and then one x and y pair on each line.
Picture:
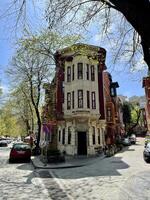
x,y
80,110
85,100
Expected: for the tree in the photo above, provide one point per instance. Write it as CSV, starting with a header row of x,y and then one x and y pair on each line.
x,y
1,91
137,13
9,124
33,65
135,116
23,108
32,68
131,115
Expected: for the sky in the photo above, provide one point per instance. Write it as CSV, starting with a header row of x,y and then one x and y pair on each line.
x,y
130,83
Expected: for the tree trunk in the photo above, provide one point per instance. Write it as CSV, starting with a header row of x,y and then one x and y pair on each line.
x,y
39,128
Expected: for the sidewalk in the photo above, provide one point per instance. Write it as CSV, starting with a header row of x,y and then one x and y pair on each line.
x,y
69,163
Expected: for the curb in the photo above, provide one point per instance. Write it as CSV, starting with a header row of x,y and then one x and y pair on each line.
x,y
62,167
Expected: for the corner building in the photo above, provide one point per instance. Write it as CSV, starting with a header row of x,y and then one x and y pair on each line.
x,y
80,104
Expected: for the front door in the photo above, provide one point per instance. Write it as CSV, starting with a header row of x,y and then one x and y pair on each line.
x,y
82,143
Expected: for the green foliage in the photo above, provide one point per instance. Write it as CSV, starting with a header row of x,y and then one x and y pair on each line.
x,y
134,112
23,107
32,66
8,122
47,43
131,116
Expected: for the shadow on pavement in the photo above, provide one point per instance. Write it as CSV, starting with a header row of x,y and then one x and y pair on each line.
x,y
106,167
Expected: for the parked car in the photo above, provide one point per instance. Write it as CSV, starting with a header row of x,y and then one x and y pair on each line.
x,y
133,139
147,140
146,153
20,152
126,141
3,143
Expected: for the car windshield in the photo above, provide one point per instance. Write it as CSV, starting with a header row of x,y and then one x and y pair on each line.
x,y
21,146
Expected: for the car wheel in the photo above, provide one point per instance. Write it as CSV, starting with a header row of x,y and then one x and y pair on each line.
x,y
10,160
147,160
28,160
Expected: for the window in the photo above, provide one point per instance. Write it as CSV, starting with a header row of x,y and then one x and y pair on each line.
x,y
68,100
80,70
99,136
68,74
72,72
93,101
59,135
108,114
112,91
92,73
88,99
69,135
93,134
63,136
87,71
80,98
72,99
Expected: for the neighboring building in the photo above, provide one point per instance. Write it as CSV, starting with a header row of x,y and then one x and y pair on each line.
x,y
114,115
146,85
144,120
49,125
85,98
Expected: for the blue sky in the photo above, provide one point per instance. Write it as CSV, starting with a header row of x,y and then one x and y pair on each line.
x,y
130,83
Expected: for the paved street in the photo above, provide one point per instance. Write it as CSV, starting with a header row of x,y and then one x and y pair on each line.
x,y
19,181
123,177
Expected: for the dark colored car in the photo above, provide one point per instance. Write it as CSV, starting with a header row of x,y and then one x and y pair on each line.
x,y
3,143
133,139
20,152
146,153
126,141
